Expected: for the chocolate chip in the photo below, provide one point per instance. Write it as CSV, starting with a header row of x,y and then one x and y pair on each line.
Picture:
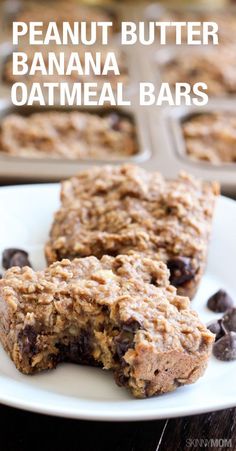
x,y
120,378
229,320
170,210
131,325
15,257
114,120
54,359
20,259
220,302
153,281
181,270
225,348
27,340
77,350
124,341
216,328
194,72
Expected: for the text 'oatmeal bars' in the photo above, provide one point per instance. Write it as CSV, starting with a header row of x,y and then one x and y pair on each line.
x,y
125,209
119,313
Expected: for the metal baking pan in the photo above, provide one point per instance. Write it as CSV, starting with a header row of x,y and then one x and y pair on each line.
x,y
6,50
166,155
176,119
9,9
22,168
169,146
158,129
45,169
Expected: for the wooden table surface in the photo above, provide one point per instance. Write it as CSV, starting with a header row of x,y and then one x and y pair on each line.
x,y
23,431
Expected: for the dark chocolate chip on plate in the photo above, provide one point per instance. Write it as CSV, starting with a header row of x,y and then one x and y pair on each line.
x,y
15,257
229,320
220,301
216,328
181,270
225,348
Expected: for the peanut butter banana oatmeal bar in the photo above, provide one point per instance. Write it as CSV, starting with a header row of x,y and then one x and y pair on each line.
x,y
118,313
211,137
217,68
125,209
72,135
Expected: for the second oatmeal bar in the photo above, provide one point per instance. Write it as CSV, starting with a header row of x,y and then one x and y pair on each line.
x,y
125,209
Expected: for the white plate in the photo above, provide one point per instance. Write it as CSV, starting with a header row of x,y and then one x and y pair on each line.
x,y
90,393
